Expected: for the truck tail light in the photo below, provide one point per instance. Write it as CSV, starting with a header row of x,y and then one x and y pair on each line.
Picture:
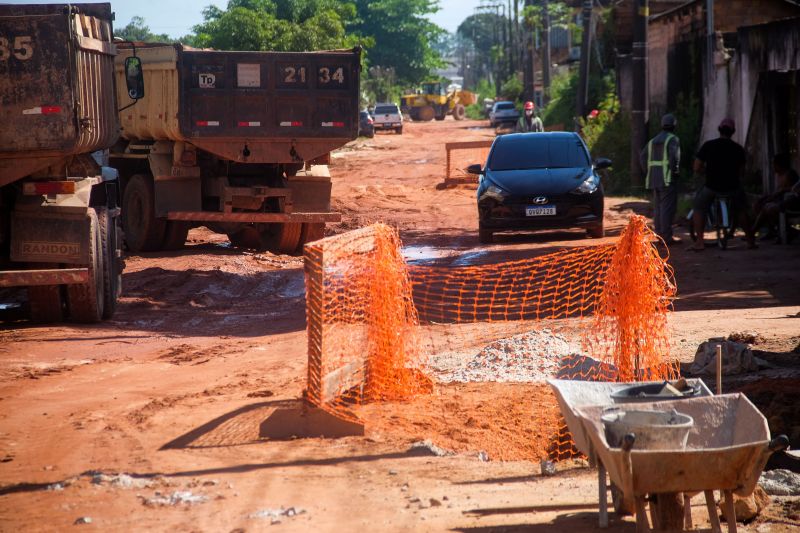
x,y
34,188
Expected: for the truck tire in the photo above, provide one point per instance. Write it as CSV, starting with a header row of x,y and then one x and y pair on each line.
x,y
143,231
426,113
280,238
45,302
112,267
310,232
485,236
459,112
175,235
85,302
399,130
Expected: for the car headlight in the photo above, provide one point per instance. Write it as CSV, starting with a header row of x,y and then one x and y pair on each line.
x,y
494,192
588,186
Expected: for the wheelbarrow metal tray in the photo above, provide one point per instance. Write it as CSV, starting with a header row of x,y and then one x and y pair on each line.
x,y
726,450
572,395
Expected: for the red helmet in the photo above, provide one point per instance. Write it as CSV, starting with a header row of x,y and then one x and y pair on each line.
x,y
727,123
528,106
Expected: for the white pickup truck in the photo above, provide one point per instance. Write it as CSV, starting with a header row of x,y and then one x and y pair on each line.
x,y
388,117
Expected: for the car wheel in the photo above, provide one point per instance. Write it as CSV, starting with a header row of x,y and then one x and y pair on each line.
x,y
399,131
597,232
485,236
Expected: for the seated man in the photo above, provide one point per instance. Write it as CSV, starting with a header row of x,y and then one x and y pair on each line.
x,y
767,207
722,161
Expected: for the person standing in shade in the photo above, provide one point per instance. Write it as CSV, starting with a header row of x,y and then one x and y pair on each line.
x,y
722,161
529,122
661,158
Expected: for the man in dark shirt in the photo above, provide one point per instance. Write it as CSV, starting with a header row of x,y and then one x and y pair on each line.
x,y
722,161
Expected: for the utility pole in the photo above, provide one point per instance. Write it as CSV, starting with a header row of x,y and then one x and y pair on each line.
x,y
518,40
586,50
639,100
546,61
510,45
529,59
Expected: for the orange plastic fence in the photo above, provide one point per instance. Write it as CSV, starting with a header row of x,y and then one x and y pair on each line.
x,y
365,306
460,155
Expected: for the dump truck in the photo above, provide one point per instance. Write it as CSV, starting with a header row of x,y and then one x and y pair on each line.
x,y
238,142
59,236
433,101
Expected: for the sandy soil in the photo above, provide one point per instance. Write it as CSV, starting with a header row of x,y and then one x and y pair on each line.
x,y
177,390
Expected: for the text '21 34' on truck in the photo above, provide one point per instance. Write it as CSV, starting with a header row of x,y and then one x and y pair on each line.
x,y
58,204
238,142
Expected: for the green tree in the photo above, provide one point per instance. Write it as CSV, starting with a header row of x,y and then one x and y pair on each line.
x,y
404,37
138,31
282,25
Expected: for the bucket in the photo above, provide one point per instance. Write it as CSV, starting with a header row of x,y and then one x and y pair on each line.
x,y
654,430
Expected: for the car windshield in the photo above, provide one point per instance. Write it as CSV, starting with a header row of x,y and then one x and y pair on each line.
x,y
505,106
386,109
535,151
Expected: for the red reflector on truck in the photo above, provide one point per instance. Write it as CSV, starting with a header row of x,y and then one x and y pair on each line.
x,y
291,124
208,122
33,188
250,124
42,110
333,124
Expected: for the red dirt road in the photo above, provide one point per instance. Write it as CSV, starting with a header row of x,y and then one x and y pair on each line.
x,y
178,388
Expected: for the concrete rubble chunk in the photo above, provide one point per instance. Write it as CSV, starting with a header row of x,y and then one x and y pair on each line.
x,y
548,467
123,481
737,358
178,497
427,448
780,483
276,515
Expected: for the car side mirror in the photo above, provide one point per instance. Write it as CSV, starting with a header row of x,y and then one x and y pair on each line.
x,y
474,169
602,162
134,77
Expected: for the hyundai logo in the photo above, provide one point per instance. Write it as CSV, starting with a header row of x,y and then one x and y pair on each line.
x,y
539,200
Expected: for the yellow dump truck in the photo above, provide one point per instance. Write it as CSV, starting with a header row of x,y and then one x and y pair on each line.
x,y
58,197
235,141
433,101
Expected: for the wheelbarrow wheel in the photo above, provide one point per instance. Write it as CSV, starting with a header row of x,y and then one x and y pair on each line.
x,y
619,502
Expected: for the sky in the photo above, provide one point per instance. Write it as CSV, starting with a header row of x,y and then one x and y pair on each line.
x,y
176,17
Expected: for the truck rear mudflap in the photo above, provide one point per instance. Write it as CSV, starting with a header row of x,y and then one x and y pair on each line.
x,y
256,218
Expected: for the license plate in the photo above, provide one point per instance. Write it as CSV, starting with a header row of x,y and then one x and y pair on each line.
x,y
540,210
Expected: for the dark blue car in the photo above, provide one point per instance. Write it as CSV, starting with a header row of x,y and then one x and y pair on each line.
x,y
539,181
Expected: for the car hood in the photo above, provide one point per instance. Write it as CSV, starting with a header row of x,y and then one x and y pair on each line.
x,y
537,181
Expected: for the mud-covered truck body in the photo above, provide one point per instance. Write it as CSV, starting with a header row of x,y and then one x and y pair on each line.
x,y
58,205
235,141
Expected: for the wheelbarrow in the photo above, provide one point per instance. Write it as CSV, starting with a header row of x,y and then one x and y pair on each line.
x,y
726,450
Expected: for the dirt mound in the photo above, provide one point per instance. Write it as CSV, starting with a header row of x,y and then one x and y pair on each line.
x,y
505,420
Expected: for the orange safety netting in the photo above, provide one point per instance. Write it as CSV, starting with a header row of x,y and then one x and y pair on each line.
x,y
367,313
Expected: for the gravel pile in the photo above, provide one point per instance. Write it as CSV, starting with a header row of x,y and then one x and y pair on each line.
x,y
533,356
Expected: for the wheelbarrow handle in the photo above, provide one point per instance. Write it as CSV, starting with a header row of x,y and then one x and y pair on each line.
x,y
779,444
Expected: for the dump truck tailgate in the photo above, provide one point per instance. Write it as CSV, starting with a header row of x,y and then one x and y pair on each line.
x,y
269,94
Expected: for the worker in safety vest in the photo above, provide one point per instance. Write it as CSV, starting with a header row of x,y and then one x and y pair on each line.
x,y
661,159
529,121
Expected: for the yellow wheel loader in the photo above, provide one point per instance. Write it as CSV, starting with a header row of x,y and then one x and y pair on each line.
x,y
433,101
